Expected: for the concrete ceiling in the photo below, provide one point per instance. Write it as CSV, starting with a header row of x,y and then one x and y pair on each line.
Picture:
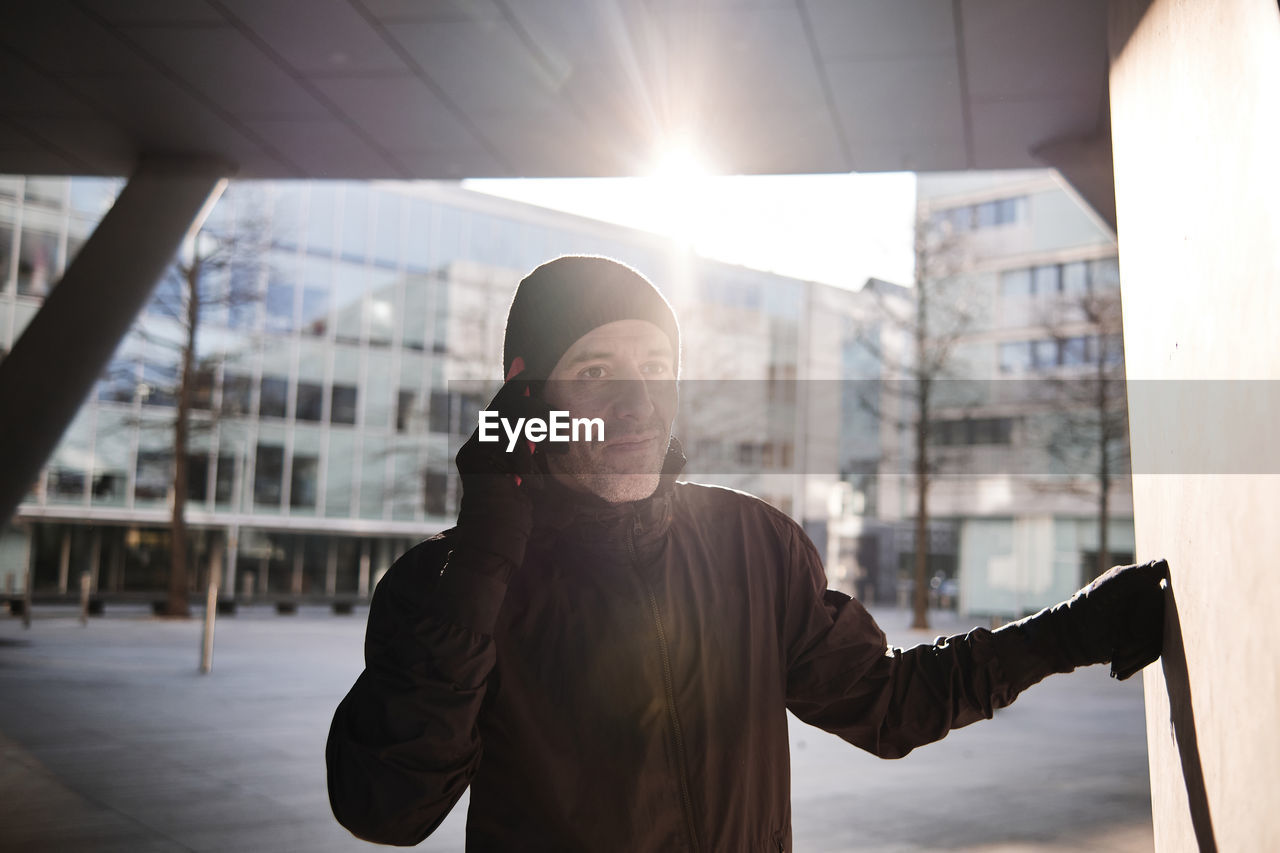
x,y
477,88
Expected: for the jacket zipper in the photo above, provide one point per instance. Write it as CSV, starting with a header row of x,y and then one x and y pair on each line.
x,y
669,685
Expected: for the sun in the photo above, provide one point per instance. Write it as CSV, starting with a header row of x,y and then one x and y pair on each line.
x,y
679,184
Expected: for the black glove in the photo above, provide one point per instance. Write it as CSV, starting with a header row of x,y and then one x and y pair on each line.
x,y
1119,618
496,513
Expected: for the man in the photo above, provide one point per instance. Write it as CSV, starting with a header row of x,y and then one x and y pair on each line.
x,y
606,656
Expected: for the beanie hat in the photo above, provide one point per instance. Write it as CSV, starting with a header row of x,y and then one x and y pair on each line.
x,y
565,298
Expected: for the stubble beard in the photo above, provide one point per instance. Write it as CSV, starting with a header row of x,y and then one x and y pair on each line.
x,y
589,467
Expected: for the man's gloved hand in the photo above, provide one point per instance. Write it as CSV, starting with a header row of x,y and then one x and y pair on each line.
x,y
1119,618
496,513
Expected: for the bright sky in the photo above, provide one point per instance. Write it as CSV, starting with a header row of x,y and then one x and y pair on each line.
x,y
838,229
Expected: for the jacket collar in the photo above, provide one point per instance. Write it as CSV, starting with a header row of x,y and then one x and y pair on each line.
x,y
560,513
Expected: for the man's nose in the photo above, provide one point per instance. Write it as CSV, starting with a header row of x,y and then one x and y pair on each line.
x,y
632,398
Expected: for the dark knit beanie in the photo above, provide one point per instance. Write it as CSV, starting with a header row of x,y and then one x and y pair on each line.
x,y
564,299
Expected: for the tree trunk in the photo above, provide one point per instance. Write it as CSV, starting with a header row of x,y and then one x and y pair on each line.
x,y
177,602
920,600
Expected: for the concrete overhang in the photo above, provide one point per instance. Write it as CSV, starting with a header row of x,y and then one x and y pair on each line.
x,y
490,88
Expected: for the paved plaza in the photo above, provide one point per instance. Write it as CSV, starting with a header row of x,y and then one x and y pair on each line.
x,y
111,741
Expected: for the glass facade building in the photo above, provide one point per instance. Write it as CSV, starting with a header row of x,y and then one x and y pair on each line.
x,y
337,323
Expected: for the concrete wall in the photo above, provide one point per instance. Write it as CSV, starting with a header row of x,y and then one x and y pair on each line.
x,y
1195,99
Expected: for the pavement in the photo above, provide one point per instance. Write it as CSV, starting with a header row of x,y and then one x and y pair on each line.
x,y
111,741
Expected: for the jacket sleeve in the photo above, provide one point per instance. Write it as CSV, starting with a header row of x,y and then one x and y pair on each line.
x,y
403,745
843,676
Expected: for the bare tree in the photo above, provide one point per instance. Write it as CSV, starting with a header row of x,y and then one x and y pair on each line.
x,y
929,323
192,288
1089,416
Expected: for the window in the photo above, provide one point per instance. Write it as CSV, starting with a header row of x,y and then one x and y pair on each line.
x,y
1044,354
118,382
302,483
225,479
279,307
66,483
242,295
237,390
202,389
971,431
1112,349
315,311
1104,274
6,252
1045,279
166,300
987,213
47,192
154,474
405,401
310,401
1015,283
342,409
1075,278
197,476
268,475
959,218
1010,210
990,430
37,254
1015,356
159,385
275,397
108,486
321,217
435,486
1075,351
438,419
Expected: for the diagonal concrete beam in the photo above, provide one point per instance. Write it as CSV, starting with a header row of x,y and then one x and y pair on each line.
x,y
64,349
1084,162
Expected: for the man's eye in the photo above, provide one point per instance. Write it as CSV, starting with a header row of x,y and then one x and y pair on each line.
x,y
654,368
593,372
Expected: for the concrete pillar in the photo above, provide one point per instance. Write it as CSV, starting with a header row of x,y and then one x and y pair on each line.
x,y
331,569
1195,113
115,565
362,584
296,581
64,560
64,349
95,557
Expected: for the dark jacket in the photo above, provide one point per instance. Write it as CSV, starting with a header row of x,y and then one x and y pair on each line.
x,y
628,689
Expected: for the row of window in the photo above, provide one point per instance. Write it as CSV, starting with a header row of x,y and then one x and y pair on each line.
x,y
1073,278
154,384
320,299
1052,353
967,432
153,478
987,214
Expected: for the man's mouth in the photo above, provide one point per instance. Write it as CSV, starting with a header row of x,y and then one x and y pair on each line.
x,y
632,442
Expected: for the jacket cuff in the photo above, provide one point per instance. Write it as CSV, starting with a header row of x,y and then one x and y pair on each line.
x,y
1025,656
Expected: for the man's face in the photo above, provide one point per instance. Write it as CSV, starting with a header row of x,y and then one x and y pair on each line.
x,y
623,373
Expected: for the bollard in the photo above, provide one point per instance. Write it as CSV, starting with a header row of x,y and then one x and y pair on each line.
x,y
210,612
84,599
